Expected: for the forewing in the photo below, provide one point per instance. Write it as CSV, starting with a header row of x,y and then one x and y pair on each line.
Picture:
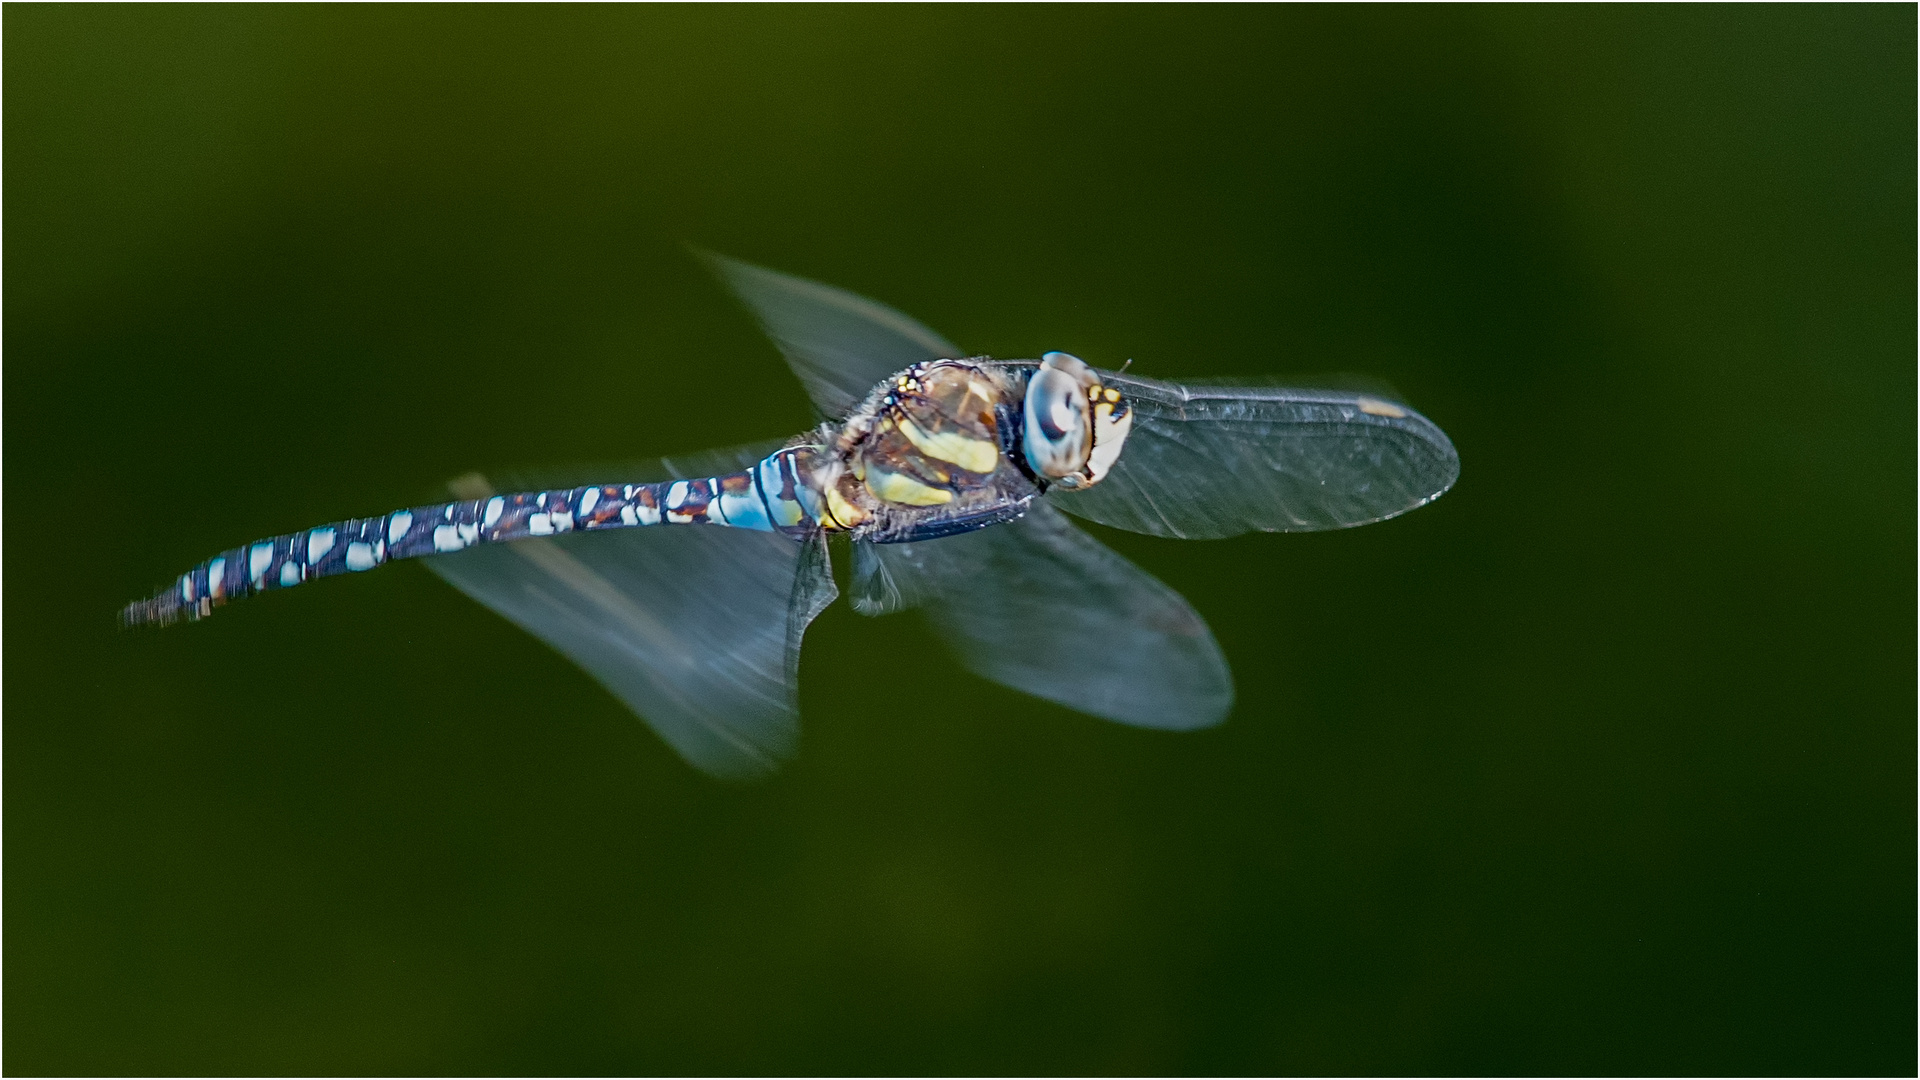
x,y
1040,606
1210,461
695,628
840,344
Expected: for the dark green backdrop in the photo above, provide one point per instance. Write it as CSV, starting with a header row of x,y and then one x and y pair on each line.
x,y
1603,763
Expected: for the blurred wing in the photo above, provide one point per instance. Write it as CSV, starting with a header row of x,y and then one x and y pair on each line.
x,y
1210,461
1040,606
714,462
840,345
696,629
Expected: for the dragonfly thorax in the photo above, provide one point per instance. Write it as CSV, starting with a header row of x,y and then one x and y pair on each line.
x,y
927,445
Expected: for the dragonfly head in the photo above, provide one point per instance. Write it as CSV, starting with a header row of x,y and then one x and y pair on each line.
x,y
1074,427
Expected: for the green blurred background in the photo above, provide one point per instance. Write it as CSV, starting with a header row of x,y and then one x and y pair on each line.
x,y
1604,763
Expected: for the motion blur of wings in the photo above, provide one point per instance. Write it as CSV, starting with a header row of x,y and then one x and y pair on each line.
x,y
698,631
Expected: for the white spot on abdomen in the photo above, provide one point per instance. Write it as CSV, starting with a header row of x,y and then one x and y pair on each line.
x,y
539,525
319,542
494,506
258,559
447,538
360,556
397,526
289,573
589,499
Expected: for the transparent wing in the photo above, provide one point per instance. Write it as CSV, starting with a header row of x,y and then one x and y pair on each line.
x,y
697,630
714,462
840,344
1210,461
1040,606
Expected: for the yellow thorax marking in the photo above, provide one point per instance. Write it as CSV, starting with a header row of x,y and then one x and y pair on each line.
x,y
966,451
841,514
894,488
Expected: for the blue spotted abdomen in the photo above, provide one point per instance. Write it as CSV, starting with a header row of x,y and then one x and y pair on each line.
x,y
770,497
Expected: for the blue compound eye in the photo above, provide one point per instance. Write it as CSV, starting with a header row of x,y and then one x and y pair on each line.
x,y
1058,427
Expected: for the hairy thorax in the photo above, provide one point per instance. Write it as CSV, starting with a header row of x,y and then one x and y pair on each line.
x,y
926,455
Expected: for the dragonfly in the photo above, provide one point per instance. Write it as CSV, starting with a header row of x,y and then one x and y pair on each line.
x,y
953,479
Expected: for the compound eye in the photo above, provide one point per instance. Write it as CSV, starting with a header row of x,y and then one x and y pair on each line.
x,y
1058,428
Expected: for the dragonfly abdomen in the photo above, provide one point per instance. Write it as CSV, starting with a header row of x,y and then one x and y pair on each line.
x,y
770,497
